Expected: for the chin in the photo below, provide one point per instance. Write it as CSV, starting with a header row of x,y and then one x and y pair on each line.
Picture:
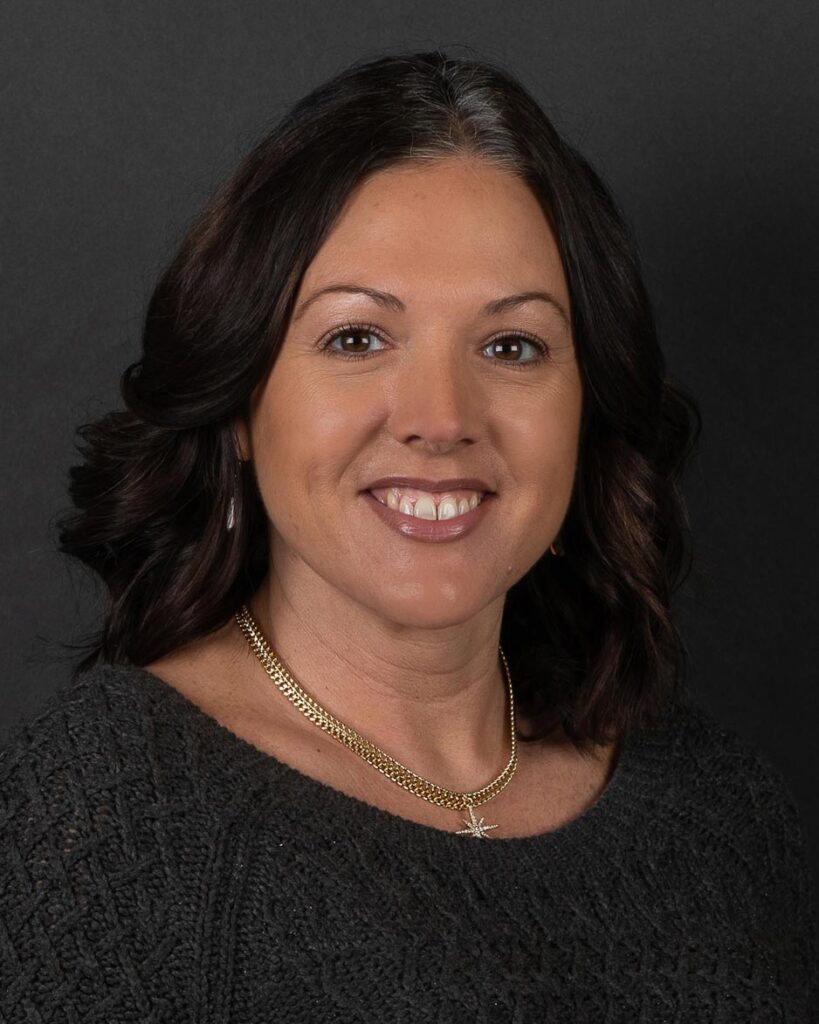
x,y
421,611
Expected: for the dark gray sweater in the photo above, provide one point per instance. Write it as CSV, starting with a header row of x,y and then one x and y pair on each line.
x,y
156,867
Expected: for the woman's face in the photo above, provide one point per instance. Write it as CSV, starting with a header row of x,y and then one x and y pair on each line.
x,y
448,389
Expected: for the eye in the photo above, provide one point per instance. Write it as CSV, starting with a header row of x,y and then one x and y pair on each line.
x,y
350,333
512,344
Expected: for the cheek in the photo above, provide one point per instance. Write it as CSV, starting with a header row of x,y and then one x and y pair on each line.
x,y
541,437
309,434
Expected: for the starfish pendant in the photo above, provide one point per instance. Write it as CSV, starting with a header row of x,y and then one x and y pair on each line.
x,y
474,827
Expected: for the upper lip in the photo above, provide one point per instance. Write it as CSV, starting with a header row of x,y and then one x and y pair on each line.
x,y
471,483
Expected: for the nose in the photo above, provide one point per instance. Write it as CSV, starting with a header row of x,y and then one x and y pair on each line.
x,y
436,401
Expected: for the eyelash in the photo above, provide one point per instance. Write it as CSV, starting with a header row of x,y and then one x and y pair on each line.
x,y
371,329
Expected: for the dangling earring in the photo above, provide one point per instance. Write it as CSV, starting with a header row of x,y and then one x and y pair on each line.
x,y
231,516
557,550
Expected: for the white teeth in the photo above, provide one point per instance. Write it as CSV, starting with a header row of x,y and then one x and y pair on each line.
x,y
425,508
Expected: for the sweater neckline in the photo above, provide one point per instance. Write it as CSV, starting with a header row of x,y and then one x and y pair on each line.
x,y
635,776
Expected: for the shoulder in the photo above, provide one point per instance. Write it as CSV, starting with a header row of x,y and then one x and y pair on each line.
x,y
714,810
717,766
88,762
106,729
84,735
84,843
105,816
717,782
732,827
763,827
68,730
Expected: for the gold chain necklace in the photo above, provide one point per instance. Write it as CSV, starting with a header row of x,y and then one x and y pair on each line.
x,y
387,765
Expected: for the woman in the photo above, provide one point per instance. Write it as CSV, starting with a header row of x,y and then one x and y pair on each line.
x,y
389,531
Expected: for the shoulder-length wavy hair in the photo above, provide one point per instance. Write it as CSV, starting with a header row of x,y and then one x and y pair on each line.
x,y
590,637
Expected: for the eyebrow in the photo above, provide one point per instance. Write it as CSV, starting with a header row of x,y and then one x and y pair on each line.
x,y
393,303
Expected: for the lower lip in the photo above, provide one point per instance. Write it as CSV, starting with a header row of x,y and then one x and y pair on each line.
x,y
434,530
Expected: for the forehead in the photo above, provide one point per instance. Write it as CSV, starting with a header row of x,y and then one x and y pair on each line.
x,y
454,227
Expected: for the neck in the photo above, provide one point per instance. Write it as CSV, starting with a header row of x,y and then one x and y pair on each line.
x,y
434,699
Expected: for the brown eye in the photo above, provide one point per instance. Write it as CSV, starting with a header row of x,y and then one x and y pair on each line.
x,y
354,337
352,341
510,347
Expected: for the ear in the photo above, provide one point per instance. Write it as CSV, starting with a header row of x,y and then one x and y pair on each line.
x,y
242,436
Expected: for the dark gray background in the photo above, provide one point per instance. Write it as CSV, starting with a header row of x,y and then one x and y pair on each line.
x,y
121,118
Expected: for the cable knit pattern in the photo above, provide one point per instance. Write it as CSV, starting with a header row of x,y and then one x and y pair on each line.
x,y
156,867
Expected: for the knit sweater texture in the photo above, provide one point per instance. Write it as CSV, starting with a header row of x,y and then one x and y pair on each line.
x,y
156,867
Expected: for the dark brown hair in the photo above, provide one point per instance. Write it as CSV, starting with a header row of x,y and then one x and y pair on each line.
x,y
590,637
